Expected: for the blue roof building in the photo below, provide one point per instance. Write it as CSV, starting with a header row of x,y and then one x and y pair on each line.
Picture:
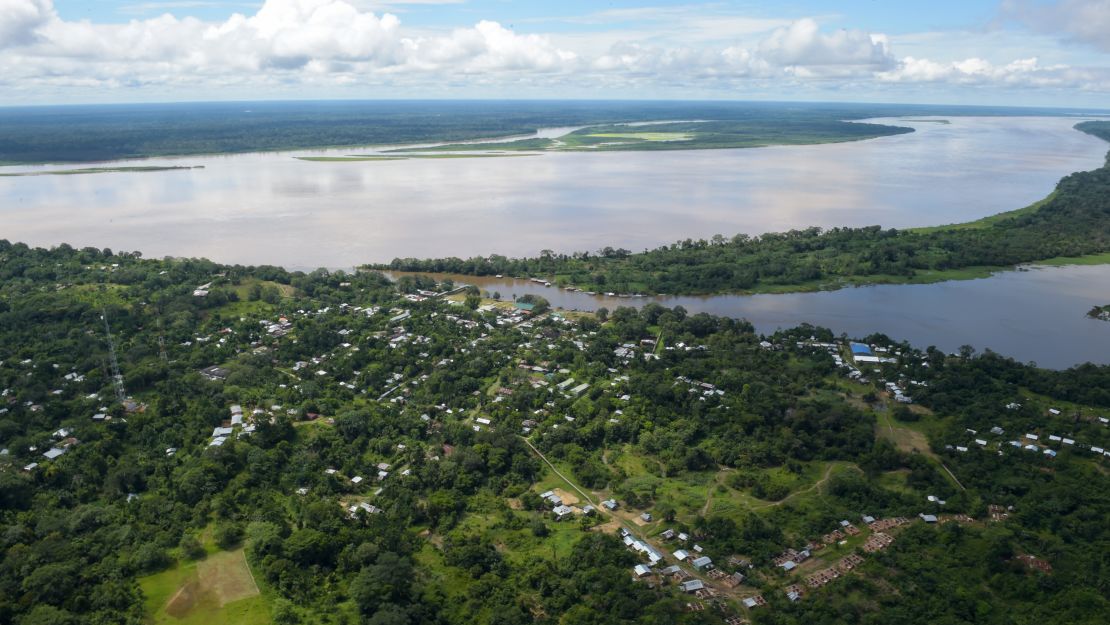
x,y
860,349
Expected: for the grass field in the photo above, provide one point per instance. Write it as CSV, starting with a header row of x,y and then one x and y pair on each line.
x,y
1093,259
218,590
646,136
356,158
347,159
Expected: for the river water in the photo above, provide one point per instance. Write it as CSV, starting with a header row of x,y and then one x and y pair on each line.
x,y
272,208
1036,314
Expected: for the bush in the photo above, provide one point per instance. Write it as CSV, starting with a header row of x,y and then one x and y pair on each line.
x,y
149,558
228,536
190,547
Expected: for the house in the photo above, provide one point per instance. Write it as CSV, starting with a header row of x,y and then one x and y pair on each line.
x,y
482,420
674,569
53,453
692,585
868,519
561,512
681,555
928,518
702,563
609,504
667,535
214,373
754,602
588,510
578,390
789,565
356,479
641,570
646,517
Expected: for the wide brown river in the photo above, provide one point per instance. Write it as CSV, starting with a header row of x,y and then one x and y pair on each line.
x,y
272,208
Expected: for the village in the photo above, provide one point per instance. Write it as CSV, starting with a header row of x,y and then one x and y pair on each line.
x,y
557,363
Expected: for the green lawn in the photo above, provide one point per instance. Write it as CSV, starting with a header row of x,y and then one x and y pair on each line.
x,y
218,590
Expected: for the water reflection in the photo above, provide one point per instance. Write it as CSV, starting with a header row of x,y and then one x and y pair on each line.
x,y
272,208
1034,315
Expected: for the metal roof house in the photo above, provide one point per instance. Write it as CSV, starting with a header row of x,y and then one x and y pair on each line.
x,y
692,585
702,563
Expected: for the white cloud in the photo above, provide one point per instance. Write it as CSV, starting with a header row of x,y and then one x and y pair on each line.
x,y
802,43
1020,73
316,44
20,19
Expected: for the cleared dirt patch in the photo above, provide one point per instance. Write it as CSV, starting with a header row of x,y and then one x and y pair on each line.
x,y
904,438
568,499
183,601
227,576
609,528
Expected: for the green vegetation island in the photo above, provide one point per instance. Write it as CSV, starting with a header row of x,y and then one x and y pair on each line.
x,y
98,170
1071,225
684,135
1100,312
100,133
188,442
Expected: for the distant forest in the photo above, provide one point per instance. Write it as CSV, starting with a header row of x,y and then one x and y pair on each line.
x,y
75,134
1073,221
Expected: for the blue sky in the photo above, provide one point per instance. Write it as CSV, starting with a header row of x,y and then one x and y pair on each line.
x,y
1032,52
899,17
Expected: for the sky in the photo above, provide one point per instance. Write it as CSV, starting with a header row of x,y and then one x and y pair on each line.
x,y
1012,52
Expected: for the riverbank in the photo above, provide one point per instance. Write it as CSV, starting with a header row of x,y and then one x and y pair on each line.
x,y
98,170
1071,224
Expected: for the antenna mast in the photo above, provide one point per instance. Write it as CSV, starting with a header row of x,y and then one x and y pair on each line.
x,y
117,379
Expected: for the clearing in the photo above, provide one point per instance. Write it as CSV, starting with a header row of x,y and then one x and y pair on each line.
x,y
218,590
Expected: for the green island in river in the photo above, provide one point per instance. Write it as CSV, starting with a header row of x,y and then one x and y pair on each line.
x,y
99,170
1071,225
682,135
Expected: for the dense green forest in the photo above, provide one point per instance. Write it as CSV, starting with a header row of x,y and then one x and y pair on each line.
x,y
333,448
1073,221
73,134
